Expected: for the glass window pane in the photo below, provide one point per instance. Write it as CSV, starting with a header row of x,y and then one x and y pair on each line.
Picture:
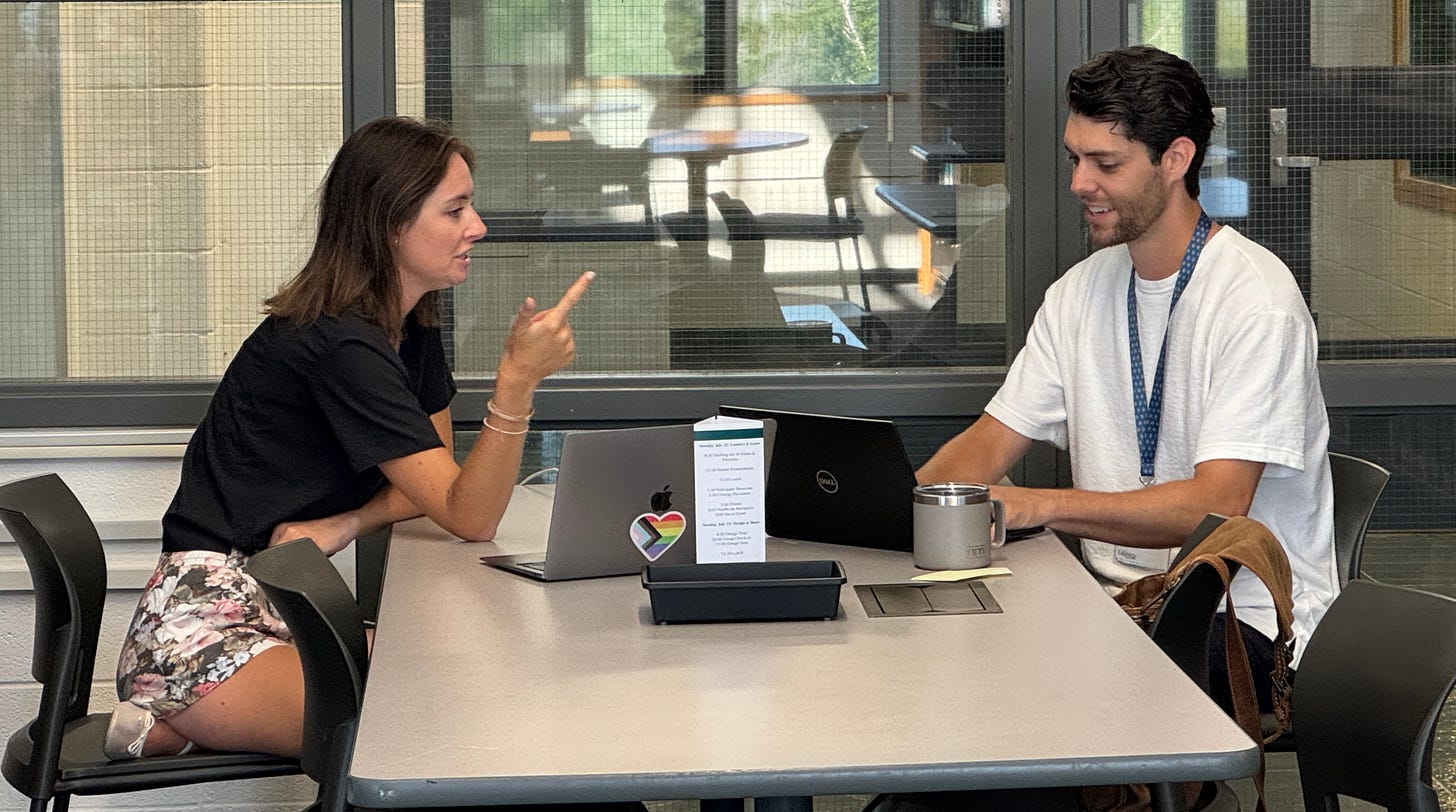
x,y
1345,94
626,39
707,215
158,167
794,43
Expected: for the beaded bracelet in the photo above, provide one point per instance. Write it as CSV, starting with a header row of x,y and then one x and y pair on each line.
x,y
514,418
486,423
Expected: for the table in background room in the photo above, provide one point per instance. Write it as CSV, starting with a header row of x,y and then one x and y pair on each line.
x,y
700,149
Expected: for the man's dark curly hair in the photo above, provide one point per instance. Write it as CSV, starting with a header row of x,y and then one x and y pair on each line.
x,y
1152,96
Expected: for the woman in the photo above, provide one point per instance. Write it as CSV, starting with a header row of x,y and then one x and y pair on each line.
x,y
332,420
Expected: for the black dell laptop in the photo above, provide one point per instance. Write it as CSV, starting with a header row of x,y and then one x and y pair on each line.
x,y
837,480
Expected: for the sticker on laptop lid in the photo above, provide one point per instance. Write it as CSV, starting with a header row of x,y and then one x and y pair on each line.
x,y
653,533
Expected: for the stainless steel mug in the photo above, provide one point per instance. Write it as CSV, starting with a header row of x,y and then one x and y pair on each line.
x,y
956,526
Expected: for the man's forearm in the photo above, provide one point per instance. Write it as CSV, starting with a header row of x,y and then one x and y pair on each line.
x,y
1161,515
983,453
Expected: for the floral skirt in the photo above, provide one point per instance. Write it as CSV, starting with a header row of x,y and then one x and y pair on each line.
x,y
199,620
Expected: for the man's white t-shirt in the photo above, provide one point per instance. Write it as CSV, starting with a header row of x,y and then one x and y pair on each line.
x,y
1240,382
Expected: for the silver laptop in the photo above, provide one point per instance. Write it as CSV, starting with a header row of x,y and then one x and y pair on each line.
x,y
624,499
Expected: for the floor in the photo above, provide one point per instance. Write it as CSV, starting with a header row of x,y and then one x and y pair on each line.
x,y
1422,560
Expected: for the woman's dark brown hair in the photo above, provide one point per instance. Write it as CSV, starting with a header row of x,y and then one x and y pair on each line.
x,y
374,189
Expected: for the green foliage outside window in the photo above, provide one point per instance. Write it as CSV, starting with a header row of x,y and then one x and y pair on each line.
x,y
797,43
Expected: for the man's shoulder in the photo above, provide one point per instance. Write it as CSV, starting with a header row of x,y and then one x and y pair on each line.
x,y
1103,273
1231,241
1240,262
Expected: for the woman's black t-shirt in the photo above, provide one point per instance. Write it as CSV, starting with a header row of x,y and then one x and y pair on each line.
x,y
298,426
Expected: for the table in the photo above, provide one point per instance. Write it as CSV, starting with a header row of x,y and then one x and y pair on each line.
x,y
939,157
486,687
700,149
569,113
942,212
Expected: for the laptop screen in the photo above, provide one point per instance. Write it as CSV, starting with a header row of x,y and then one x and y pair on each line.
x,y
837,480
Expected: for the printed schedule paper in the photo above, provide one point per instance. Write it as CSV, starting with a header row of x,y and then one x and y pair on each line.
x,y
728,471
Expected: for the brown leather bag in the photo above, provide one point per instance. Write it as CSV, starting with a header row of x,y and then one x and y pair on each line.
x,y
1246,543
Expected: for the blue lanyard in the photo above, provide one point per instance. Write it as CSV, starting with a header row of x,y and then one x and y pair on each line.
x,y
1148,411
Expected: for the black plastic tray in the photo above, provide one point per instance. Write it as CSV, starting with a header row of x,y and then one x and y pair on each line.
x,y
771,590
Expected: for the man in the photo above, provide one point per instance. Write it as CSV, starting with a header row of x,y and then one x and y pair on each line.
x,y
1203,328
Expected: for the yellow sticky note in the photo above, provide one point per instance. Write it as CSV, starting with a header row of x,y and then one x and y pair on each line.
x,y
961,575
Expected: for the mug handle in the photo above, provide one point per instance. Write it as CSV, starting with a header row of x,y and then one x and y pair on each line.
x,y
998,521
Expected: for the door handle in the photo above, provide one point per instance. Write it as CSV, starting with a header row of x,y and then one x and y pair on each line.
x,y
1279,158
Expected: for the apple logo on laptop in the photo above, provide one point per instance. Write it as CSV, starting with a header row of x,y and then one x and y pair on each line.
x,y
654,532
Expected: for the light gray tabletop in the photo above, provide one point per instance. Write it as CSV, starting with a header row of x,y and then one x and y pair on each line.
x,y
487,687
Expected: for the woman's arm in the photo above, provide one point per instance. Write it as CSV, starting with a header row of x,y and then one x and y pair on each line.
x,y
388,506
469,499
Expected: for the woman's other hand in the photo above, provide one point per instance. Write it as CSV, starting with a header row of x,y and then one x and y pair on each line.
x,y
541,342
331,535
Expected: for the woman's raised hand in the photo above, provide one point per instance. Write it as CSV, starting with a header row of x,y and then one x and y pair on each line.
x,y
541,342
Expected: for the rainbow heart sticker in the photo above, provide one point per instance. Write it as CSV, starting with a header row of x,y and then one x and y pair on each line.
x,y
653,533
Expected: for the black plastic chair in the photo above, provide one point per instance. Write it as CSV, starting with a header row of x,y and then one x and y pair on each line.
x,y
371,556
58,754
1357,484
1357,487
1371,684
834,225
328,629
1183,630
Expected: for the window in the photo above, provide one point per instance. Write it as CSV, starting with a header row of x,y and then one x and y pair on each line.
x,y
805,43
159,161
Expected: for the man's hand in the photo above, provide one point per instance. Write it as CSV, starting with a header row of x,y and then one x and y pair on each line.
x,y
331,535
1025,507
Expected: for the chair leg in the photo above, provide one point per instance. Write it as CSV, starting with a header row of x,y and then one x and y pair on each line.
x,y
864,290
843,274
40,804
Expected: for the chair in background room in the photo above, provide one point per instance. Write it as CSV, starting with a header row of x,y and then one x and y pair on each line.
x,y
728,316
1371,685
753,293
835,225
1357,484
58,754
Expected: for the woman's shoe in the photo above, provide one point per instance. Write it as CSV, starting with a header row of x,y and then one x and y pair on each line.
x,y
126,734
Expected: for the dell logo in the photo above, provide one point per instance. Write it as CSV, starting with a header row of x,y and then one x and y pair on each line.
x,y
826,481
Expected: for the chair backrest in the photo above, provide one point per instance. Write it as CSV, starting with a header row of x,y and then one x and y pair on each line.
x,y
68,572
1357,486
328,630
739,220
1371,684
839,168
371,555
1184,624
1209,524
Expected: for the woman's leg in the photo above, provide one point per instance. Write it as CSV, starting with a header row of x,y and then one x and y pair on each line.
x,y
258,709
